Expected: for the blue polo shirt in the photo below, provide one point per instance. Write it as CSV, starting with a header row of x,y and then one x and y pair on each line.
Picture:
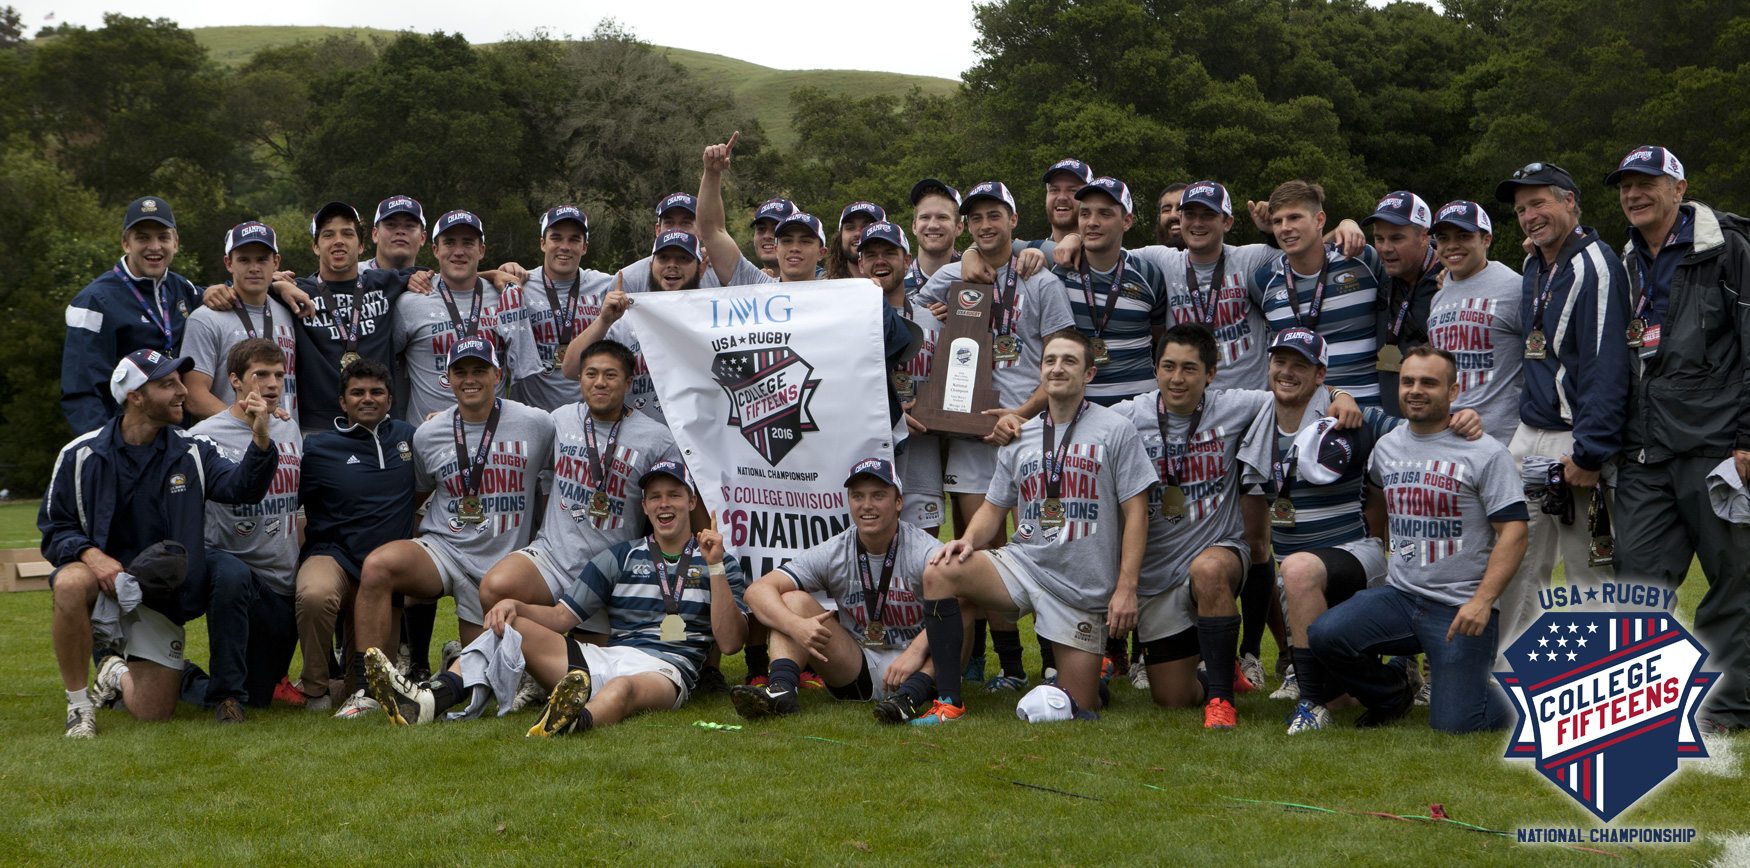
x,y
357,491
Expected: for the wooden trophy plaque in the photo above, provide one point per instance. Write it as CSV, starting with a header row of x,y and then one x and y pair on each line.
x,y
959,389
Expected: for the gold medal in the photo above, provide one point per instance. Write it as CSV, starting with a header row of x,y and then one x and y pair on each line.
x,y
1637,331
1282,513
559,351
903,386
1173,501
348,359
1005,348
1101,357
875,635
471,510
1391,359
1051,512
598,505
1536,345
673,629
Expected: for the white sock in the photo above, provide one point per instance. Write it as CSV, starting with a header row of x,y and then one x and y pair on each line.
x,y
80,698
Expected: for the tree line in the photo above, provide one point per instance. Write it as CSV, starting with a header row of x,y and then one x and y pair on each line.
x,y
1361,99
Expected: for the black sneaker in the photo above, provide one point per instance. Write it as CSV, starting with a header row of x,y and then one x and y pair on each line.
x,y
711,680
1385,714
895,709
754,703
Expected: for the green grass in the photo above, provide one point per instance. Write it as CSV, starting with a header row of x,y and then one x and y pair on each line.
x,y
764,93
18,525
828,786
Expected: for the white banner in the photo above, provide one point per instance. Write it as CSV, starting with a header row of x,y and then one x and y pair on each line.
x,y
772,392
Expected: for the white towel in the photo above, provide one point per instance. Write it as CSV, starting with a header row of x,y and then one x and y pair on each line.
x,y
497,662
1727,493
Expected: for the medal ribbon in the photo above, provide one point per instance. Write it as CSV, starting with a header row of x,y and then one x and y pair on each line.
x,y
1317,306
1171,468
1054,454
1396,328
469,327
1002,301
565,324
599,469
249,325
1206,305
472,470
1101,317
1281,472
875,597
157,310
671,600
1639,285
350,335
1540,302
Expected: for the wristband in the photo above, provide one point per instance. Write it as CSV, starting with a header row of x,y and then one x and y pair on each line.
x,y
717,571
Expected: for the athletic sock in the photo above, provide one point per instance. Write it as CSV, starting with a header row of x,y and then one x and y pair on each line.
x,y
918,688
978,628
1216,638
584,723
1309,673
81,698
757,660
446,690
1047,657
419,621
1255,596
786,674
945,634
358,668
1008,645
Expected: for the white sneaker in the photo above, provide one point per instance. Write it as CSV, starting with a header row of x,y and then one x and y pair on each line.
x,y
1425,691
448,654
1308,717
1290,688
81,722
107,687
402,656
1253,669
406,703
357,706
528,693
1139,675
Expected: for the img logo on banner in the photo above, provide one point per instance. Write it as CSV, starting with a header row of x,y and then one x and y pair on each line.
x,y
1606,702
769,390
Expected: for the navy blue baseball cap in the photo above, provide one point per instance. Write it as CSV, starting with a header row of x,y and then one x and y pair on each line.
x,y
1210,195
562,213
670,468
140,367
250,232
931,185
1304,341
871,210
399,205
988,190
1402,208
1535,174
773,210
684,201
884,230
879,468
803,218
1082,171
453,219
1647,160
472,348
686,241
148,208
1118,190
329,210
1466,215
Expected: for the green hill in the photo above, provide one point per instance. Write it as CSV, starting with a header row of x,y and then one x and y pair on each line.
x,y
764,92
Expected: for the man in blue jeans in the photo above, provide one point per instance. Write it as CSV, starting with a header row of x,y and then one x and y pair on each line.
x,y
1457,532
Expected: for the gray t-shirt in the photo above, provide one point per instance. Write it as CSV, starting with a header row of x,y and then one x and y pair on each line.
x,y
1041,307
1207,471
264,536
210,335
1441,493
831,568
1242,338
1477,319
548,388
424,334
920,462
636,277
570,534
1103,466
516,468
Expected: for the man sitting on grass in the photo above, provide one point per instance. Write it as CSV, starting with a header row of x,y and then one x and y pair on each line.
x,y
667,597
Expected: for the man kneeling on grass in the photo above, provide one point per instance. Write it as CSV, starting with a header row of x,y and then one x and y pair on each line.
x,y
667,597
875,647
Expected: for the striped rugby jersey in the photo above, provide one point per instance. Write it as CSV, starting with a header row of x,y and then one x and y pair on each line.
x,y
1129,334
1346,321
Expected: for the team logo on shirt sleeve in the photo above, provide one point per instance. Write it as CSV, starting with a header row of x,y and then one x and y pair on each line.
x,y
769,391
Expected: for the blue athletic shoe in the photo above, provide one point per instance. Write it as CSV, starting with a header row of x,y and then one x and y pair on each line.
x,y
1005,681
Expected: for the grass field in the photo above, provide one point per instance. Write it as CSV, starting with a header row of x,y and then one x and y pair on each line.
x,y
1142,786
763,92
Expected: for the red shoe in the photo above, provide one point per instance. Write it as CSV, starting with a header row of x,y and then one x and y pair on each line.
x,y
939,713
1220,714
758,681
286,693
812,681
1242,684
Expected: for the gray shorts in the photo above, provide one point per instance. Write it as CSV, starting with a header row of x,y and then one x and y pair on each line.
x,y
149,636
457,583
971,464
1053,619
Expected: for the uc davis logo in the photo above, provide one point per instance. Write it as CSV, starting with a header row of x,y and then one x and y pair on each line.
x,y
769,391
1606,703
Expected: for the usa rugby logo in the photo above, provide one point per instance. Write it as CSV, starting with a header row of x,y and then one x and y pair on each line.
x,y
769,391
1606,703
969,298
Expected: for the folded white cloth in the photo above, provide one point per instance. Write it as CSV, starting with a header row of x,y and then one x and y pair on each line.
x,y
497,662
1727,493
106,616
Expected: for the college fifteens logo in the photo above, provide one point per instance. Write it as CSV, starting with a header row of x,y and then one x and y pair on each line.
x,y
769,391
1607,700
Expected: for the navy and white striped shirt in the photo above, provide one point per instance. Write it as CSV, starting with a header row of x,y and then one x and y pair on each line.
x,y
1346,321
1129,334
622,580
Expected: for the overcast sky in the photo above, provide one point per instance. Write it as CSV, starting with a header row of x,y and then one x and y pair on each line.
x,y
922,37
